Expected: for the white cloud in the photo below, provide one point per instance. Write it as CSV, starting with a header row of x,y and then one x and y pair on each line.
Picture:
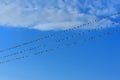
x,y
53,14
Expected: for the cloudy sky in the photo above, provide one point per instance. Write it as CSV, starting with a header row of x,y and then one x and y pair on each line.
x,y
46,40
54,14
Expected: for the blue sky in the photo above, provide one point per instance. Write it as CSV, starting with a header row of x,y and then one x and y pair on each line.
x,y
23,21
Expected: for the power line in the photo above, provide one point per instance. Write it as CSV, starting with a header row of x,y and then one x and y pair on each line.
x,y
56,41
93,37
53,34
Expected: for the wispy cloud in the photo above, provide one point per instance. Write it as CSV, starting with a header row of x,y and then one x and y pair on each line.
x,y
53,14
